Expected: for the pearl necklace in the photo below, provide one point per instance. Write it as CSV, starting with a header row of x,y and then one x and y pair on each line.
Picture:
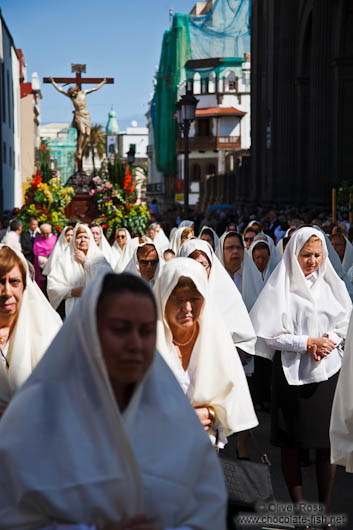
x,y
188,341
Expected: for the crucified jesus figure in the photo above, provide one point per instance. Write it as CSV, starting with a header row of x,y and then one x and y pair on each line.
x,y
81,120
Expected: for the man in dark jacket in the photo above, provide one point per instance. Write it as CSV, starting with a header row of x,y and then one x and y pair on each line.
x,y
27,239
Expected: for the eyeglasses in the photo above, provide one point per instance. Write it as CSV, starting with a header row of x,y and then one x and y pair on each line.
x,y
249,238
233,247
147,262
120,237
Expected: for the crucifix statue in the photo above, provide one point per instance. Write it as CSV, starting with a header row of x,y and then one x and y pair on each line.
x,y
81,120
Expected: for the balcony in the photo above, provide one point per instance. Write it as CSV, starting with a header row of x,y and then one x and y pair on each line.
x,y
209,143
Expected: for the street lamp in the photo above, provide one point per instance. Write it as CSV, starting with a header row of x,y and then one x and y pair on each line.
x,y
131,156
185,108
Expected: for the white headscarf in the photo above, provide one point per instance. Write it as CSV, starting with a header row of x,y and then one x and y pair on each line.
x,y
106,249
175,240
279,245
117,252
252,282
68,273
348,256
60,247
227,297
287,305
161,240
341,428
217,376
275,258
186,224
215,236
134,267
74,458
37,324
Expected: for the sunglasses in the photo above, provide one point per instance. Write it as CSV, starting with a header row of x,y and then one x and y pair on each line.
x,y
120,237
249,238
147,262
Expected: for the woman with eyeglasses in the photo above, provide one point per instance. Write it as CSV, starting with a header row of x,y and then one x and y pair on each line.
x,y
249,236
122,237
147,261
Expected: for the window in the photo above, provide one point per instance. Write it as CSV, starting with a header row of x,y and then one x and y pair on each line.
x,y
204,85
203,127
197,83
212,83
230,85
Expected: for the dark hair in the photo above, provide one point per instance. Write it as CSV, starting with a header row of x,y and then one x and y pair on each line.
x,y
234,234
125,283
261,246
169,251
208,232
15,225
94,225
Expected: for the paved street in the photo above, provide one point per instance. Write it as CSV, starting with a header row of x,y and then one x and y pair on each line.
x,y
342,496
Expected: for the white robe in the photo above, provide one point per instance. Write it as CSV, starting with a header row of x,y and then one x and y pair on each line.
x,y
75,459
287,306
37,324
274,260
217,375
117,252
226,297
68,273
61,246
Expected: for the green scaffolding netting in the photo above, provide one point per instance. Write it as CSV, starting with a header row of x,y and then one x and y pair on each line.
x,y
223,32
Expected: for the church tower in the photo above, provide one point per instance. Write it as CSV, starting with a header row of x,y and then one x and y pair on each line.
x,y
112,131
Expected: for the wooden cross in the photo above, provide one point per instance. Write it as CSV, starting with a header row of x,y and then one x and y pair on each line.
x,y
78,80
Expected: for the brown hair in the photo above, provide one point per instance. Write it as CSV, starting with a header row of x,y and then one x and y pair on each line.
x,y
81,230
234,234
8,260
188,230
197,253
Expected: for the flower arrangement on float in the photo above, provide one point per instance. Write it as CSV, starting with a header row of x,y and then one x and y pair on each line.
x,y
117,205
46,201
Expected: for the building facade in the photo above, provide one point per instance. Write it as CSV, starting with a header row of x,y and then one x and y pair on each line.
x,y
302,100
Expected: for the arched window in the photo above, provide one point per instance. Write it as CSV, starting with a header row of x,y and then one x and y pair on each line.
x,y
204,85
230,82
197,83
212,83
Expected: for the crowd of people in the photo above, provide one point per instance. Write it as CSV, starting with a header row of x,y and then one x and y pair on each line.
x,y
141,356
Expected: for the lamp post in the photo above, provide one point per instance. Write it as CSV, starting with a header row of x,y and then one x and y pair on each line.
x,y
131,156
185,108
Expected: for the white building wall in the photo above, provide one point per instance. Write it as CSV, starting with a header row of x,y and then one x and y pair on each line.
x,y
17,165
137,136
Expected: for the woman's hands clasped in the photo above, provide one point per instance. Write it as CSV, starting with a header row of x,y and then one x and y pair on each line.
x,y
204,417
320,347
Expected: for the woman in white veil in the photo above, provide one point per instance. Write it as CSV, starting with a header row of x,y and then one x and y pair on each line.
x,y
69,276
206,364
274,258
225,294
120,414
60,248
28,323
301,319
121,240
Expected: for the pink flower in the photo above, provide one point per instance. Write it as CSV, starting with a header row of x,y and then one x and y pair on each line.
x,y
108,185
97,180
92,192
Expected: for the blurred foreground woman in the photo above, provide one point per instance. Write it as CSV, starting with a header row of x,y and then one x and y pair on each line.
x,y
111,441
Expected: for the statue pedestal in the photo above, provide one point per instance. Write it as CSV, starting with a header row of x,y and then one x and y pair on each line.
x,y
83,208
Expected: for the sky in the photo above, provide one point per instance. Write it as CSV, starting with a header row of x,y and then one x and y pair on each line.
x,y
114,38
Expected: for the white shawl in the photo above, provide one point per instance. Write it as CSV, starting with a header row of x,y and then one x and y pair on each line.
x,y
215,236
73,458
36,326
61,246
252,282
116,251
106,249
68,273
341,428
134,267
227,297
348,256
216,373
274,260
175,240
287,305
